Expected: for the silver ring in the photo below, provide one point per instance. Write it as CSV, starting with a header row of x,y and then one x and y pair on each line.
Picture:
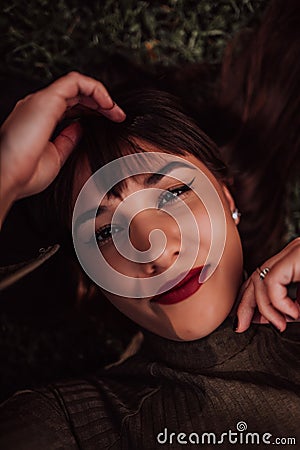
x,y
263,272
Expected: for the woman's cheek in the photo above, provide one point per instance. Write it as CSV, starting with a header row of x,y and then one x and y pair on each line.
x,y
204,229
117,261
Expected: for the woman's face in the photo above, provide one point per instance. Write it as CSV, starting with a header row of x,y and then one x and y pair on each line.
x,y
188,309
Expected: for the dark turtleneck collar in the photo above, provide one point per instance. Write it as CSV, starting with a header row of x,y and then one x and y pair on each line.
x,y
204,353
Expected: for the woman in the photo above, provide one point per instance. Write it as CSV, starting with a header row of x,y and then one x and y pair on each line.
x,y
193,374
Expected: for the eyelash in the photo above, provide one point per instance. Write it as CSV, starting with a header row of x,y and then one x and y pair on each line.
x,y
184,188
179,191
106,228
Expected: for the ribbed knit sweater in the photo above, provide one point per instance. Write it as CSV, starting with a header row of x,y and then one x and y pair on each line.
x,y
246,383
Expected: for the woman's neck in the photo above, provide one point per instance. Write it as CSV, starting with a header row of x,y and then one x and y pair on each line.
x,y
203,353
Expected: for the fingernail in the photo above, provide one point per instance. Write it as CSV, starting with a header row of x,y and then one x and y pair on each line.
x,y
118,107
109,108
118,113
275,328
290,317
235,323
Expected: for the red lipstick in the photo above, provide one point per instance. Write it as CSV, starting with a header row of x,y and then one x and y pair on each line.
x,y
187,287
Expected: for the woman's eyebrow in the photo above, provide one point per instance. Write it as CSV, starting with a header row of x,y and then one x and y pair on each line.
x,y
163,171
88,215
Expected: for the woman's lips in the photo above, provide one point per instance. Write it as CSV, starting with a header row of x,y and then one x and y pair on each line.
x,y
187,287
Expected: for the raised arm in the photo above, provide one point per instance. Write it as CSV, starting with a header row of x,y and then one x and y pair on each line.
x,y
29,160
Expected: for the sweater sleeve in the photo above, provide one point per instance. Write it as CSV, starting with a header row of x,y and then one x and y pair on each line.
x,y
32,420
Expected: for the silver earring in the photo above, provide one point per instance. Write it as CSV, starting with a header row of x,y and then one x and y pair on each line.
x,y
236,215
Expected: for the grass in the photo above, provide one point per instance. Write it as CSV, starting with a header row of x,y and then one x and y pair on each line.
x,y
42,39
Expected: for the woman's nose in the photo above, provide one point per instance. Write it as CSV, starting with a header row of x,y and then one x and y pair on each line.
x,y
139,231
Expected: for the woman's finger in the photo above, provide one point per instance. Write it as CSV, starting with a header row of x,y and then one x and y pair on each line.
x,y
76,88
246,308
67,140
284,272
256,306
265,306
82,103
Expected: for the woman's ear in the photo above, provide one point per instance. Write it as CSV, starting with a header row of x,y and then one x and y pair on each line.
x,y
231,203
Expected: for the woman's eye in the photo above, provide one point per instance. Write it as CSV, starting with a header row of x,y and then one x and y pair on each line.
x,y
105,234
171,195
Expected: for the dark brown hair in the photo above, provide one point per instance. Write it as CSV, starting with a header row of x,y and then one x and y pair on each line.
x,y
259,105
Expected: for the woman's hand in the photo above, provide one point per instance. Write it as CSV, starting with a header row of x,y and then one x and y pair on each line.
x,y
29,160
270,295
